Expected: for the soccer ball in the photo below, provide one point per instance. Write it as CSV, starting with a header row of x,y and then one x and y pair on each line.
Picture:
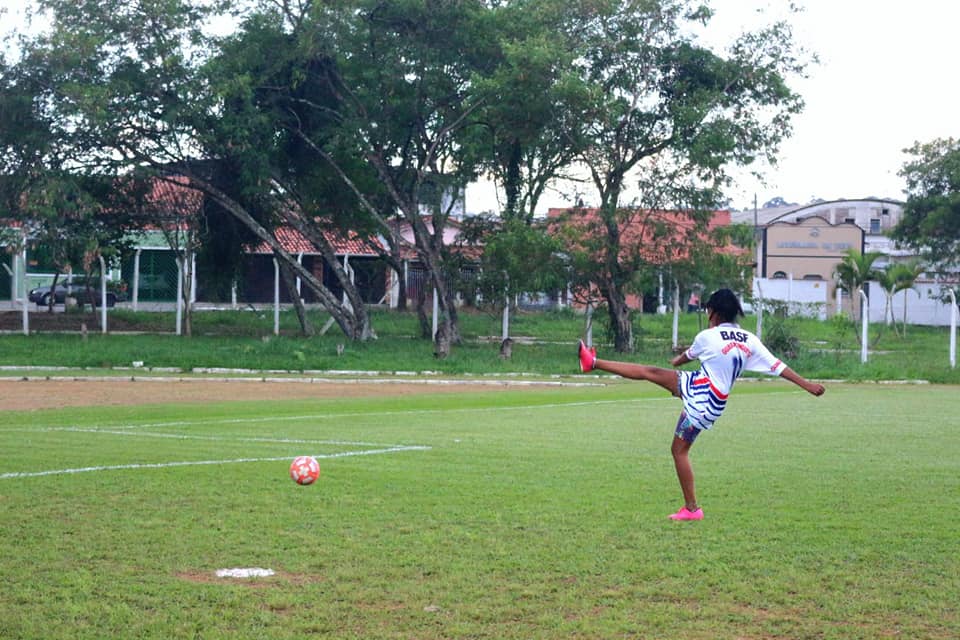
x,y
304,470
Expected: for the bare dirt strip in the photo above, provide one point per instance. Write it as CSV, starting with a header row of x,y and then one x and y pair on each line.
x,y
39,393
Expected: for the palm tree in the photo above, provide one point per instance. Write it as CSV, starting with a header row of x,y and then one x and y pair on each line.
x,y
854,271
887,279
905,274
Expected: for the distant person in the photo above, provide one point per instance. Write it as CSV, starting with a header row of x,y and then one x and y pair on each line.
x,y
693,304
725,350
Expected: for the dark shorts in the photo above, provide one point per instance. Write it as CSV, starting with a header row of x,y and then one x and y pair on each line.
x,y
685,429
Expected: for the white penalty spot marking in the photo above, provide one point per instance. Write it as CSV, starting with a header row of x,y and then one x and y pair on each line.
x,y
252,572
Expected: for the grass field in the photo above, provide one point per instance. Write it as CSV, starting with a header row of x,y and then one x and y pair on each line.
x,y
505,514
545,341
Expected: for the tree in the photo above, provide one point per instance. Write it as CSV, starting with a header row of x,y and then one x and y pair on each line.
x,y
904,275
886,278
777,201
720,259
894,279
853,272
177,210
670,116
515,258
931,213
524,134
130,87
403,74
275,95
74,218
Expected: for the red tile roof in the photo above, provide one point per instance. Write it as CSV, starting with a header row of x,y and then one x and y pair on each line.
x,y
169,193
180,202
295,242
643,230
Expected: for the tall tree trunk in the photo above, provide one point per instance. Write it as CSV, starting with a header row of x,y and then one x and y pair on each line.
x,y
513,179
187,288
354,305
617,307
52,298
354,322
448,331
429,247
620,321
401,288
426,330
441,342
905,312
306,327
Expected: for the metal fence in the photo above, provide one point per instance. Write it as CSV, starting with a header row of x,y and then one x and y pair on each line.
x,y
158,276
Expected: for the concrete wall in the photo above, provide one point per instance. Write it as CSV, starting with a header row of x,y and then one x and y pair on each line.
x,y
801,297
923,304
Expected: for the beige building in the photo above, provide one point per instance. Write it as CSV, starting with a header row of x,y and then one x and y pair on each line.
x,y
809,249
876,216
801,245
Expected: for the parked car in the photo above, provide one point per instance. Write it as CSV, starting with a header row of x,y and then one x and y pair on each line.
x,y
79,288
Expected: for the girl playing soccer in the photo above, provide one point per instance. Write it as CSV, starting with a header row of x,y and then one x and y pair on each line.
x,y
725,350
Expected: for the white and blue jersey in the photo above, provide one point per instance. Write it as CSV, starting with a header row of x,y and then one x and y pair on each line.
x,y
724,352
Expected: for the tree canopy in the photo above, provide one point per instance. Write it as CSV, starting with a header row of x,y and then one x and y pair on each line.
x,y
667,118
931,214
360,116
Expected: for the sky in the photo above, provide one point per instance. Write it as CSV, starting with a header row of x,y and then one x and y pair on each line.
x,y
886,79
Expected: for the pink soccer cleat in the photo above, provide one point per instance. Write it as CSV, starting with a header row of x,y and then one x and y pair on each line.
x,y
686,514
588,357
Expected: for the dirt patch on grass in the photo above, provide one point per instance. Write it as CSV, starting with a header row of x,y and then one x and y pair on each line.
x,y
279,577
31,394
73,321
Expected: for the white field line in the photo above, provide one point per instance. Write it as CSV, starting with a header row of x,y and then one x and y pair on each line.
x,y
378,414
183,436
164,465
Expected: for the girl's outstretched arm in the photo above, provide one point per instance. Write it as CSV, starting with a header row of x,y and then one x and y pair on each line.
x,y
814,388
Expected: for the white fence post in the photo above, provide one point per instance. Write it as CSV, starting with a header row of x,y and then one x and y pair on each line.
x,y
953,329
759,306
505,320
676,315
864,333
276,297
103,295
589,331
25,291
789,293
179,295
135,285
661,308
436,311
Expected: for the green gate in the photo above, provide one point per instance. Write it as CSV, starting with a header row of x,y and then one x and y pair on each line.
x,y
158,275
5,261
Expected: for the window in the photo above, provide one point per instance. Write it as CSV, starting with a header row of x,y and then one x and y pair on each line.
x,y
874,225
779,275
813,276
850,220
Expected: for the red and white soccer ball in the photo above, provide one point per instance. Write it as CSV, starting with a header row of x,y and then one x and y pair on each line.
x,y
304,470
